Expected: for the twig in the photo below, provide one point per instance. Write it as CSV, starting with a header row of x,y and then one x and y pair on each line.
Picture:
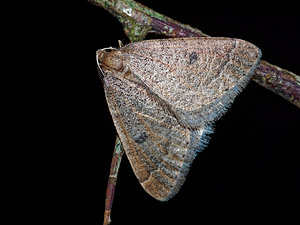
x,y
280,81
112,180
139,20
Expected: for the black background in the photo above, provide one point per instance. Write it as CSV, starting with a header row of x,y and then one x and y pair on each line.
x,y
248,173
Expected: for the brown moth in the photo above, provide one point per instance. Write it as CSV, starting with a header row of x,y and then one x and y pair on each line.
x,y
164,96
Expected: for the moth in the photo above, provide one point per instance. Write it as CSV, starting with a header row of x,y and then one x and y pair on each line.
x,y
164,96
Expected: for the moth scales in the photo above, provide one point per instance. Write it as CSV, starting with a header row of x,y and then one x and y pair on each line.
x,y
164,96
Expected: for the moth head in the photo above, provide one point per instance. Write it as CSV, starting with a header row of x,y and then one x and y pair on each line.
x,y
110,59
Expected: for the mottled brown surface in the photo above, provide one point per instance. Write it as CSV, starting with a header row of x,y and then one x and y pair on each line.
x,y
164,95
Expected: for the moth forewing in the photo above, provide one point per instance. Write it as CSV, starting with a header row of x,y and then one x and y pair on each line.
x,y
194,76
164,95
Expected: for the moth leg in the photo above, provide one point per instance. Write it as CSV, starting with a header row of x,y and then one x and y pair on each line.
x,y
120,44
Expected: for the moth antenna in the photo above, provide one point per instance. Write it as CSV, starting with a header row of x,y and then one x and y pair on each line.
x,y
100,71
109,48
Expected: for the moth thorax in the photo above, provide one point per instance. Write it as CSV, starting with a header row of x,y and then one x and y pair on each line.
x,y
111,60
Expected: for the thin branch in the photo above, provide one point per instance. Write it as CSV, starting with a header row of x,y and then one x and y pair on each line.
x,y
112,180
139,20
278,80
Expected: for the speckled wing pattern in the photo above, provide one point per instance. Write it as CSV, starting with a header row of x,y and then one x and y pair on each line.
x,y
160,151
198,78
182,86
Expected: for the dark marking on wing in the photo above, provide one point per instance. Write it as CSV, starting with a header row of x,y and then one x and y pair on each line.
x,y
140,139
193,57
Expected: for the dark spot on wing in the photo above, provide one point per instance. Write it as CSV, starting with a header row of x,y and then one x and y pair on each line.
x,y
141,138
193,57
